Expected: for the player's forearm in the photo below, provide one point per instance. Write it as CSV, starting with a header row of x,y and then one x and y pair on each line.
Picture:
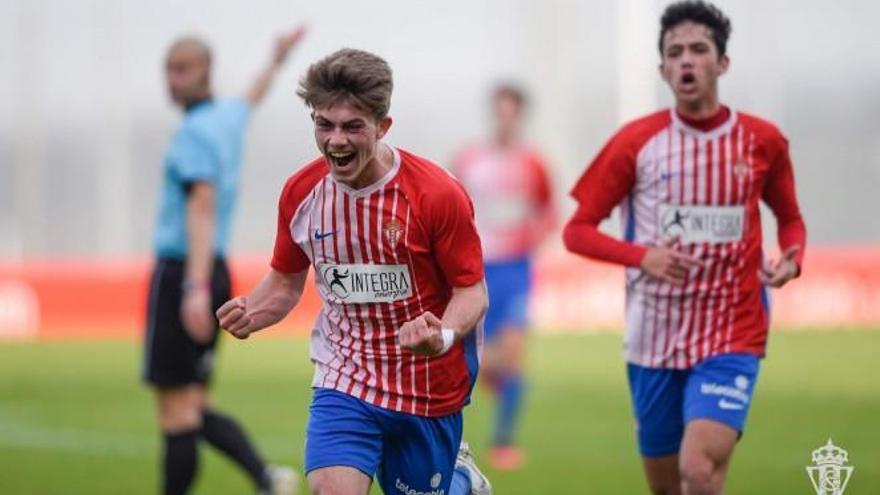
x,y
790,233
584,238
465,308
200,227
274,297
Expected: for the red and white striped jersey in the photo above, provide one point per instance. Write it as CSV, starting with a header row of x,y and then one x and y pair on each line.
x,y
383,255
699,183
512,198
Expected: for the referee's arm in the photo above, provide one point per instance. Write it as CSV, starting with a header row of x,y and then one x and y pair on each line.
x,y
283,46
195,308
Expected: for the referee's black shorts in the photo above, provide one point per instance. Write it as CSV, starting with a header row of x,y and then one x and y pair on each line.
x,y
171,357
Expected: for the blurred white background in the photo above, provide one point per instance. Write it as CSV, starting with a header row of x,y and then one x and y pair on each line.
x,y
84,117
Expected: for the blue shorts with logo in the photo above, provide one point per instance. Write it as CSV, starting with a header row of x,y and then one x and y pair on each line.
x,y
665,400
406,453
509,284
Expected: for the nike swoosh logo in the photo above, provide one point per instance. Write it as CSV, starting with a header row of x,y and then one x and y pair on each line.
x,y
319,235
725,404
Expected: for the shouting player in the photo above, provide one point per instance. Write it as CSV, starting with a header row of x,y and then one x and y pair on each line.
x,y
191,278
508,182
397,263
689,181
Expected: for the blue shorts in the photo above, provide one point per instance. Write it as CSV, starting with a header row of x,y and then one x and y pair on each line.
x,y
406,453
664,400
509,284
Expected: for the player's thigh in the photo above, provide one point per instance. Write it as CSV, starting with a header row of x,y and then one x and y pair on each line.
x,y
342,431
338,480
657,402
180,408
718,397
419,453
721,389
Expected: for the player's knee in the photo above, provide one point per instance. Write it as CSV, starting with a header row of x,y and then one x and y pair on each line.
x,y
179,412
697,474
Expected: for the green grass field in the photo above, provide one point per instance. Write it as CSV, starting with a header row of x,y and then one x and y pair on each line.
x,y
75,420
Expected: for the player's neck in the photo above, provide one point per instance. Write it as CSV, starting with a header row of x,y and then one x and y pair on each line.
x,y
702,109
705,119
506,140
378,167
191,105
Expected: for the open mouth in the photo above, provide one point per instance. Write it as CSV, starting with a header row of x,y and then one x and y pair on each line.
x,y
688,78
341,159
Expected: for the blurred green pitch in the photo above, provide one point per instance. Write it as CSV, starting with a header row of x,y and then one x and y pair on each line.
x,y
74,418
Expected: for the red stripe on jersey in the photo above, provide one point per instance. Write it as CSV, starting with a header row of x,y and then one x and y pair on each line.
x,y
418,364
708,323
368,310
374,212
355,334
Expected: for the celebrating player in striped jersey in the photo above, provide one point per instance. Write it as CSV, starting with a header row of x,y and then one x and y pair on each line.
x,y
689,181
397,262
508,182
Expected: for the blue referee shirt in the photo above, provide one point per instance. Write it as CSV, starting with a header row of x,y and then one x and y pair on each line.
x,y
206,147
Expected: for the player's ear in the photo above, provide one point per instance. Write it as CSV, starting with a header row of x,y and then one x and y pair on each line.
x,y
662,70
723,64
383,126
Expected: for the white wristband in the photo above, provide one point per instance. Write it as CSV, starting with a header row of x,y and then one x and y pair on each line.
x,y
448,335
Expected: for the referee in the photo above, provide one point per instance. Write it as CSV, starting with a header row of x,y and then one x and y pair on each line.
x,y
191,280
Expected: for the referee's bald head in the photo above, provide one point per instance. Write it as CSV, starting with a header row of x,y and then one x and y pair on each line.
x,y
188,70
192,46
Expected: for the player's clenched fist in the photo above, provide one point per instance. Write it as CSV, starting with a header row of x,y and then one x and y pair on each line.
x,y
234,318
422,335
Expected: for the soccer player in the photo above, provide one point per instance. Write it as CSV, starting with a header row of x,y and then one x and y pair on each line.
x,y
508,182
191,279
397,263
689,181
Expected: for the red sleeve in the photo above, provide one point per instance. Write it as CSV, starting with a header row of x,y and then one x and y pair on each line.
x,y
607,181
543,190
288,257
454,235
779,194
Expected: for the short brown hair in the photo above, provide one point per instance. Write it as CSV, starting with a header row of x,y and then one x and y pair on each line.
x,y
349,75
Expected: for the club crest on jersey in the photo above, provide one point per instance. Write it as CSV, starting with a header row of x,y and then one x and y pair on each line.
x,y
392,230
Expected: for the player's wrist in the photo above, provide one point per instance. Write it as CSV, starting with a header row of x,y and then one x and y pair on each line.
x,y
191,285
448,336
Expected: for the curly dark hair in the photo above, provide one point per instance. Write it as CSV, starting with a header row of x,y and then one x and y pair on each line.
x,y
698,12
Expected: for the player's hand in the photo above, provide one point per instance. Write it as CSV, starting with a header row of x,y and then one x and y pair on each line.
x,y
668,264
234,318
195,314
422,335
776,274
285,43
